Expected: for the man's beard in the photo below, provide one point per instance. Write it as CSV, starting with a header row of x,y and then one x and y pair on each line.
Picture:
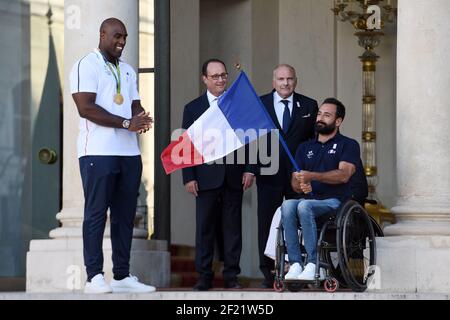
x,y
323,128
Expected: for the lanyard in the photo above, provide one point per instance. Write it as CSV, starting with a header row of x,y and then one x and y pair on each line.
x,y
116,77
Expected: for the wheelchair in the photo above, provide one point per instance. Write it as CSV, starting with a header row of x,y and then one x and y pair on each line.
x,y
346,249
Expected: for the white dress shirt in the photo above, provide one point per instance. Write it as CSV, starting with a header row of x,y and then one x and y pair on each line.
x,y
92,74
212,98
279,106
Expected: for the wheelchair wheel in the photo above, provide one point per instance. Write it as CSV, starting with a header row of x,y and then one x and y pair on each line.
x,y
280,251
331,285
376,227
332,258
278,285
355,246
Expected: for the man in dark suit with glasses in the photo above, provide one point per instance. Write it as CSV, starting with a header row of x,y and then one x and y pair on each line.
x,y
218,189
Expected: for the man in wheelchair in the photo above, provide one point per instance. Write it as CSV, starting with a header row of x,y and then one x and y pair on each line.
x,y
327,163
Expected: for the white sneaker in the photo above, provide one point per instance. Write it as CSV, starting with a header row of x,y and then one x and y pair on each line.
x,y
294,272
130,284
97,285
309,272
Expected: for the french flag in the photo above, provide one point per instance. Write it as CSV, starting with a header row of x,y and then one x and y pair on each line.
x,y
221,129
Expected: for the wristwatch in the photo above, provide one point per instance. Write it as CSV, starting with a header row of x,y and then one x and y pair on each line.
x,y
126,124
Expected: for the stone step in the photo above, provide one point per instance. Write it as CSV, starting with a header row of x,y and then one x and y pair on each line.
x,y
218,294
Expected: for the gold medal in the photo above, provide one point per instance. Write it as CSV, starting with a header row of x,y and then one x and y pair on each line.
x,y
118,99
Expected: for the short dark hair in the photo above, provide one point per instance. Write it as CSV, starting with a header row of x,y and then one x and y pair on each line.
x,y
207,62
340,108
109,22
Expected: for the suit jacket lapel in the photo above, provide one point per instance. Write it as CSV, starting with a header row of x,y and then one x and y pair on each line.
x,y
296,113
295,110
204,105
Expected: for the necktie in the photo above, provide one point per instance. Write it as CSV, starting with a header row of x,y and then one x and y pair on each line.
x,y
286,116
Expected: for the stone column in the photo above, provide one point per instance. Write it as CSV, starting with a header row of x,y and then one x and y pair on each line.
x,y
415,255
57,264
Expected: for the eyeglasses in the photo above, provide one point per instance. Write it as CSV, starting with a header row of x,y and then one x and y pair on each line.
x,y
216,77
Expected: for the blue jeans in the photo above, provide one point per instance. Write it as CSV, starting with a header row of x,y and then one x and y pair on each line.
x,y
296,212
